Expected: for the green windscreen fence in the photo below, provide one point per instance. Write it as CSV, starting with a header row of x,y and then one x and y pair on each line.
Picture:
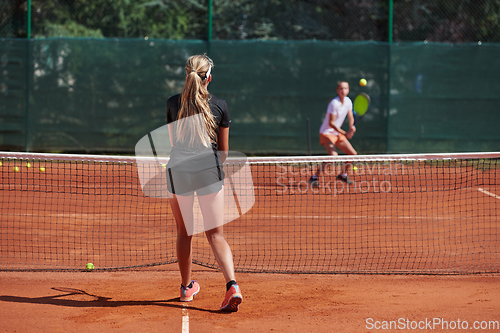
x,y
444,97
103,95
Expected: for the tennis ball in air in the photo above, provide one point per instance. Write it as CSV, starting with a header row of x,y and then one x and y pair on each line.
x,y
28,165
362,82
16,169
355,168
42,169
89,266
0,163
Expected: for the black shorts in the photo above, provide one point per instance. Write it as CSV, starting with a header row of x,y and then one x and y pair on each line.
x,y
202,182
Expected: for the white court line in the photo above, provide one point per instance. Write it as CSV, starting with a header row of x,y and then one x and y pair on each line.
x,y
185,320
312,217
489,193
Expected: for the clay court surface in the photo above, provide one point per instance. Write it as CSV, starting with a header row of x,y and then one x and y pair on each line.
x,y
447,227
147,301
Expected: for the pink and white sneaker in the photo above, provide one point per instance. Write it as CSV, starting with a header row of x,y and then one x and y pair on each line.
x,y
232,300
187,294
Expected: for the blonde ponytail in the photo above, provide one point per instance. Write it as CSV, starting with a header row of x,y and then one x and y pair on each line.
x,y
194,100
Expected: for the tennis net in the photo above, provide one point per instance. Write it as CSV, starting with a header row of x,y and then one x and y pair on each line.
x,y
403,214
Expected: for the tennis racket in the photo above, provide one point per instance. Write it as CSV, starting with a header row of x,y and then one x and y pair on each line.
x,y
361,105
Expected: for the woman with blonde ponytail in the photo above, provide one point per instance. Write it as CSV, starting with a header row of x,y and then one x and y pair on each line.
x,y
198,125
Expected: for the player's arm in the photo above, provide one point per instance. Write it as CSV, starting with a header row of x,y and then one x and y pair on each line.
x,y
335,127
223,142
171,134
352,128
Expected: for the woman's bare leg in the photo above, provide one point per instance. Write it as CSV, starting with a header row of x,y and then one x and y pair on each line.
x,y
346,147
212,208
184,249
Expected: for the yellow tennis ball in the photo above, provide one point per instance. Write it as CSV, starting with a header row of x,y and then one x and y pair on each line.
x,y
355,168
16,169
42,169
362,82
0,163
89,266
28,165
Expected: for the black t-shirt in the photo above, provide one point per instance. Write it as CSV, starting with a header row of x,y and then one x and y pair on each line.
x,y
194,159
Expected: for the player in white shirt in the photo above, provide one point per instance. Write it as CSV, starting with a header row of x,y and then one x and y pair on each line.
x,y
331,134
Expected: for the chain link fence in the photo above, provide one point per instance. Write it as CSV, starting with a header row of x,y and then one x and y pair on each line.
x,y
453,21
13,19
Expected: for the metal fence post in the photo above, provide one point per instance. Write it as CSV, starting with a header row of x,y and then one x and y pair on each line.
x,y
210,17
28,67
389,56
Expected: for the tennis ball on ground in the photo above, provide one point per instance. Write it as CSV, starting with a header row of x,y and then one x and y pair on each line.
x,y
362,82
16,169
355,168
89,266
42,169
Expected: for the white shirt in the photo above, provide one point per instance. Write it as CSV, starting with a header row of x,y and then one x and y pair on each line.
x,y
339,110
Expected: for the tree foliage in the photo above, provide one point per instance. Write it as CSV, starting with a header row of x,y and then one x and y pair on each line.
x,y
414,20
116,18
447,21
